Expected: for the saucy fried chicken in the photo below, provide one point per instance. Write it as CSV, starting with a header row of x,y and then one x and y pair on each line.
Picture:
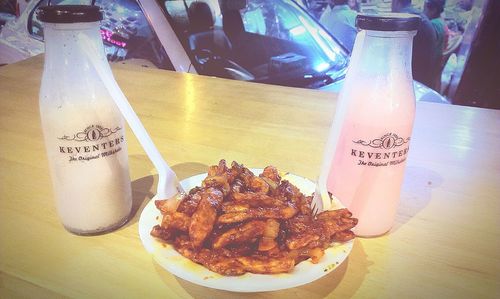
x,y
204,217
237,222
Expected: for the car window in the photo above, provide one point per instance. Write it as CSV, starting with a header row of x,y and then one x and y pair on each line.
x,y
282,20
125,31
263,41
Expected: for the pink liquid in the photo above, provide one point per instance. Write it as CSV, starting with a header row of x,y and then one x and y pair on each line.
x,y
373,123
367,177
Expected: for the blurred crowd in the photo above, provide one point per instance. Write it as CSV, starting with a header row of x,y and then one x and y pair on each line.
x,y
442,26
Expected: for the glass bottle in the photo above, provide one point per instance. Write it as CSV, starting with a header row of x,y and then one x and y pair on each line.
x,y
83,129
374,121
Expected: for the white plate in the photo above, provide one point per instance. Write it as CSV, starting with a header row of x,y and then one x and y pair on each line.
x,y
167,257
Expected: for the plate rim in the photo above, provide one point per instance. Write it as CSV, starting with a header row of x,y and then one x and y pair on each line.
x,y
243,283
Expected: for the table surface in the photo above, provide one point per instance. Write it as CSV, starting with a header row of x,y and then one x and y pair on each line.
x,y
445,243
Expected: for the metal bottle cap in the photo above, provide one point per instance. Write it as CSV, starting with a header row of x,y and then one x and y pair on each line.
x,y
69,13
388,22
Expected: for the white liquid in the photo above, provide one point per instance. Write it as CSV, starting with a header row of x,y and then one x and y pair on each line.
x,y
92,186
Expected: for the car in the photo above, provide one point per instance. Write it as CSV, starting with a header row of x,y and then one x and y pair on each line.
x,y
272,42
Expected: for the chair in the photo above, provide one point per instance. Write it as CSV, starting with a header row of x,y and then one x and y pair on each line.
x,y
232,24
200,17
204,38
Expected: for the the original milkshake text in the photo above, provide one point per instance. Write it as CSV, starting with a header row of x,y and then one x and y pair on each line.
x,y
388,150
97,142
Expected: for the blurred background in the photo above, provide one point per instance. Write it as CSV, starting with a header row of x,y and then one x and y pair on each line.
x,y
302,43
470,72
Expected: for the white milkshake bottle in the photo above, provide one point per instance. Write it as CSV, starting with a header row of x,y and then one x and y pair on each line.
x,y
374,121
83,129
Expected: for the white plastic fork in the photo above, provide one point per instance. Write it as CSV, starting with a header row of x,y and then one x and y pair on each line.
x,y
168,184
321,200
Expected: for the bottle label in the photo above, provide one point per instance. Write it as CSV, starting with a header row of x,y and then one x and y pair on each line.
x,y
387,150
94,142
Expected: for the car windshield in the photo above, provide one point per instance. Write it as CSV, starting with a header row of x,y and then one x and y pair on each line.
x,y
263,41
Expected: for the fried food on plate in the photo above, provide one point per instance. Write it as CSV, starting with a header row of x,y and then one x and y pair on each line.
x,y
237,222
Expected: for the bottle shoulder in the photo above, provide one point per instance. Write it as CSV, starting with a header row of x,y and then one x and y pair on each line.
x,y
72,85
378,103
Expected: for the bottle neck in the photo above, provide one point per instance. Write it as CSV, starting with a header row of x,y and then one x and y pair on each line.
x,y
64,45
384,54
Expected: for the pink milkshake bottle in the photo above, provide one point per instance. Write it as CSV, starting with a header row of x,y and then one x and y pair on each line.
x,y
373,122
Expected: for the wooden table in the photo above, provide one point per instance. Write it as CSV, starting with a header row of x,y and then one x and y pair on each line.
x,y
445,244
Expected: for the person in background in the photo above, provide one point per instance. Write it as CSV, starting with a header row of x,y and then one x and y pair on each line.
x,y
340,21
424,43
433,10
354,5
461,13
